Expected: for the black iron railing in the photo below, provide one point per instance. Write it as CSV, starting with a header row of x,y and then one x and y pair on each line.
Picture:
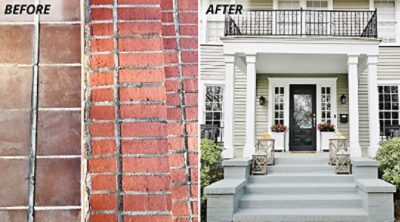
x,y
212,132
303,22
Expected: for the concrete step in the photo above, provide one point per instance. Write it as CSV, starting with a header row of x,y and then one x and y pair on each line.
x,y
302,178
301,215
300,188
257,201
301,160
303,168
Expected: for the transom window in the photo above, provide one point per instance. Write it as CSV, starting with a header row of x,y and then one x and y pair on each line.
x,y
388,107
288,4
317,4
213,105
279,105
386,20
326,105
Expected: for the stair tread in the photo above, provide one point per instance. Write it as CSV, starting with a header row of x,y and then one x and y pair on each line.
x,y
305,174
311,197
298,185
303,212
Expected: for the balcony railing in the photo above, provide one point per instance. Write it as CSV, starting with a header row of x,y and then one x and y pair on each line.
x,y
303,23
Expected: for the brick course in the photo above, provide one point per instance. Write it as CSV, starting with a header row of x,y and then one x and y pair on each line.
x,y
142,107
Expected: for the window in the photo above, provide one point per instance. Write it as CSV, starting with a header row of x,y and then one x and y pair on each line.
x,y
279,105
288,4
215,30
213,105
326,105
388,107
317,4
386,20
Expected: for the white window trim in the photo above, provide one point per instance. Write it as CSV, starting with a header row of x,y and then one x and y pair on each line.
x,y
391,83
286,82
202,91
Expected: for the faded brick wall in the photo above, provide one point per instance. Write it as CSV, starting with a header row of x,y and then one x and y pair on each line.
x,y
40,115
141,110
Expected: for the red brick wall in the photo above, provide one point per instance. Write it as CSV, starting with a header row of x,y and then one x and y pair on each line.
x,y
141,110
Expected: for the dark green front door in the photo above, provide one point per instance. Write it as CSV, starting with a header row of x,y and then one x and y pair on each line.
x,y
302,128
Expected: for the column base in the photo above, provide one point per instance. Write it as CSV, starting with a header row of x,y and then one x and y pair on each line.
x,y
355,151
372,151
248,150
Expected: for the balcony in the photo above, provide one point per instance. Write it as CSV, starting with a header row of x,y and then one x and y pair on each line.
x,y
303,23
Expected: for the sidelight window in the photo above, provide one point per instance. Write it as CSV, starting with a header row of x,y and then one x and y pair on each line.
x,y
326,105
279,105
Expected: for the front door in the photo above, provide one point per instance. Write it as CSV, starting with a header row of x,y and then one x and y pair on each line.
x,y
302,130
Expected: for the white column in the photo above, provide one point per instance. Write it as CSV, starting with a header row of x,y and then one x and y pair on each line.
x,y
371,5
355,149
373,110
229,106
250,106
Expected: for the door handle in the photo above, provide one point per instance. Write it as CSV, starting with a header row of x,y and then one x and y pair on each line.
x,y
314,119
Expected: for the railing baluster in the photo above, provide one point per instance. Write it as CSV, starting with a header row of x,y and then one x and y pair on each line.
x,y
303,22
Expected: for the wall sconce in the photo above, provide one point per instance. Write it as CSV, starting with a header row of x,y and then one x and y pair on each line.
x,y
262,100
343,99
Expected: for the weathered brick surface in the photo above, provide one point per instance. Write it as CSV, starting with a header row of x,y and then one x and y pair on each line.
x,y
142,108
40,114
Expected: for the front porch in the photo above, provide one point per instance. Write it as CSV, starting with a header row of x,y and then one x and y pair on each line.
x,y
300,187
266,67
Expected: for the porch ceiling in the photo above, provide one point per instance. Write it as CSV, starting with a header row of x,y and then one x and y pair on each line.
x,y
301,63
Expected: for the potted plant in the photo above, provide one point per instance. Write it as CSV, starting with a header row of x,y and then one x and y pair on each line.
x,y
278,132
327,130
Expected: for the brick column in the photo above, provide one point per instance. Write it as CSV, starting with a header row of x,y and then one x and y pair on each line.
x,y
142,106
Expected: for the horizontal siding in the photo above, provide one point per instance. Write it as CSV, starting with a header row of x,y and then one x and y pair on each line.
x,y
363,111
239,112
353,4
342,89
389,63
261,111
255,4
212,64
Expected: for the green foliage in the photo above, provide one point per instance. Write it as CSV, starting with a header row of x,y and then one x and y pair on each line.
x,y
389,161
211,169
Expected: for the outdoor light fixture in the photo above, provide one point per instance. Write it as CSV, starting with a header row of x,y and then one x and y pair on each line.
x,y
262,100
343,99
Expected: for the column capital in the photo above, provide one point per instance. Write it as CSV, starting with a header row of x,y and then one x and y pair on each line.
x,y
251,58
372,59
352,59
229,58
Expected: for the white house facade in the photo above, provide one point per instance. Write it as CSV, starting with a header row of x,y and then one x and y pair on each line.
x,y
303,57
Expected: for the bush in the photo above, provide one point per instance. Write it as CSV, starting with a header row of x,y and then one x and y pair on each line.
x,y
211,170
389,161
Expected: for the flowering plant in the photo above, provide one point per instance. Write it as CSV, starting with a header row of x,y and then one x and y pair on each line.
x,y
326,127
278,128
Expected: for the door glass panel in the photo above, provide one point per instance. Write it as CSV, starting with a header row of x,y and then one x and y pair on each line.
x,y
302,112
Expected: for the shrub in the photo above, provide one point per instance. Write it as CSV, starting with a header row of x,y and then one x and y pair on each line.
x,y
326,127
278,128
211,170
389,161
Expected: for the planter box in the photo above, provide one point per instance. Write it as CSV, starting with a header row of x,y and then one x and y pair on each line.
x,y
279,140
325,136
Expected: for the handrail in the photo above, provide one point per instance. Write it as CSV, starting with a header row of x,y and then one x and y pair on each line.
x,y
308,22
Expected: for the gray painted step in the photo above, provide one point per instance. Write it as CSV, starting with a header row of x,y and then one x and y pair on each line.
x,y
302,178
256,201
303,168
301,160
301,215
300,188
